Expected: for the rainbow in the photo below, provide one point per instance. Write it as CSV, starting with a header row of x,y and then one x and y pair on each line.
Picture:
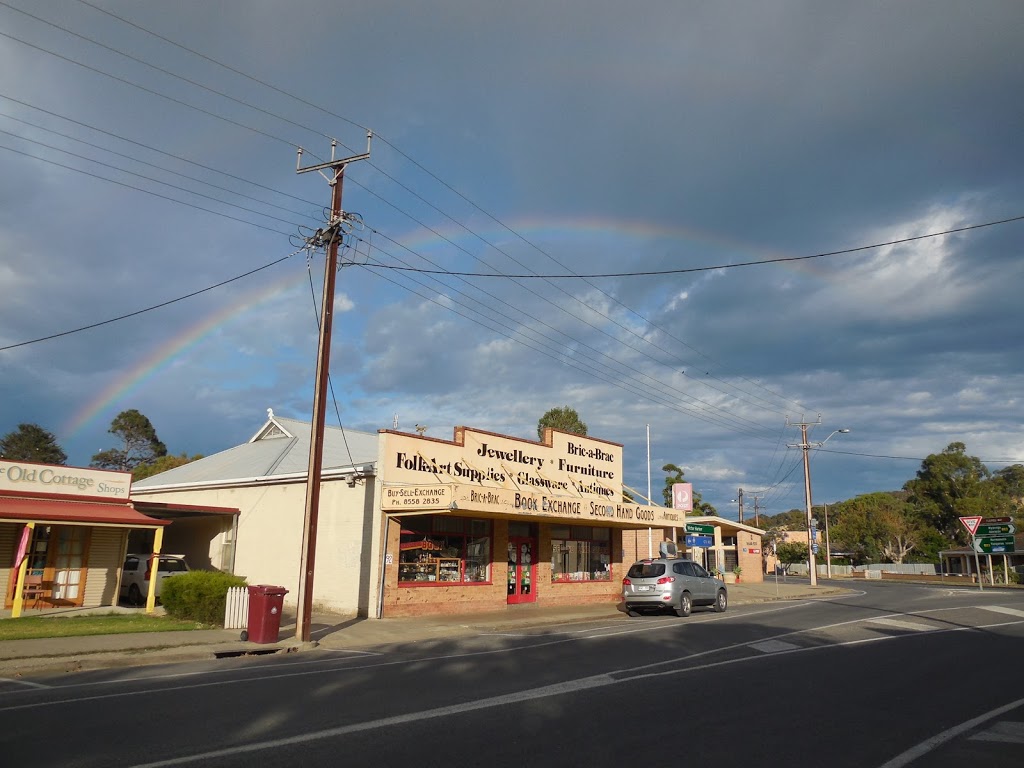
x,y
162,356
548,232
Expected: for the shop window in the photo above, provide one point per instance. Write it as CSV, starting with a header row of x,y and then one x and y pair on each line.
x,y
580,553
445,550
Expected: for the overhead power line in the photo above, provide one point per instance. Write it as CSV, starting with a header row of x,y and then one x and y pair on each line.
x,y
684,270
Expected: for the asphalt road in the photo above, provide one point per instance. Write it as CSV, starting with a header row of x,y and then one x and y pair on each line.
x,y
894,675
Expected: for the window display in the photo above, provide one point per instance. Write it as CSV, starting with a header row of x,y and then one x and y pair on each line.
x,y
444,550
580,553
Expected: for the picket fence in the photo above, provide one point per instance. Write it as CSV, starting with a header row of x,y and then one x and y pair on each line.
x,y
236,608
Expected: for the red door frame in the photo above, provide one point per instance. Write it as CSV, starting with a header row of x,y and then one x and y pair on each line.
x,y
522,576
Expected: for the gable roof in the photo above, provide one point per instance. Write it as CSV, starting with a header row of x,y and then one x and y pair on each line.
x,y
279,450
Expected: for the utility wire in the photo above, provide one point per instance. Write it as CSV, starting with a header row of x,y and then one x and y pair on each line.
x,y
734,265
145,178
156,149
145,191
152,307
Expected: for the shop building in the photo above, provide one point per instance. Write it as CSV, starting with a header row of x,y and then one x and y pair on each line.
x,y
411,525
63,534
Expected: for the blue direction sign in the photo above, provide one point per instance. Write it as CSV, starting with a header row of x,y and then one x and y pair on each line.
x,y
707,530
699,541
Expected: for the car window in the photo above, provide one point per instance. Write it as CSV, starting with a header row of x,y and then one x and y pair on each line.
x,y
171,565
690,569
646,570
698,570
131,563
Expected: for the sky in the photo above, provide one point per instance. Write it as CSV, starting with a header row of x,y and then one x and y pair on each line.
x,y
698,224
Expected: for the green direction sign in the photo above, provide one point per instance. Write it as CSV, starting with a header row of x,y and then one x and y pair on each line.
x,y
991,545
707,530
995,529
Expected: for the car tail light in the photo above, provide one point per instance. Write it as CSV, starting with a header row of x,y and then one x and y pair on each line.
x,y
626,582
666,579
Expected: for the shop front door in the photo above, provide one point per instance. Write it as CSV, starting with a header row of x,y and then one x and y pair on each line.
x,y
522,570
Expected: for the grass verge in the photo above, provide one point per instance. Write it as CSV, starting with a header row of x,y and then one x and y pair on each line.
x,y
32,627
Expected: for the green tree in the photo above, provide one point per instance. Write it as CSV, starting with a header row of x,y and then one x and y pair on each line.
x,y
874,527
139,443
793,520
162,464
30,442
791,552
564,419
948,486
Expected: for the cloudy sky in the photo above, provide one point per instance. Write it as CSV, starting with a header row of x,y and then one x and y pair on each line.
x,y
705,219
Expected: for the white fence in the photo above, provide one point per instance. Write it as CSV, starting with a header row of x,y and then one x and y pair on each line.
x,y
236,608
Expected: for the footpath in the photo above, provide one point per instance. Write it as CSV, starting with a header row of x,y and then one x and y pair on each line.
x,y
63,655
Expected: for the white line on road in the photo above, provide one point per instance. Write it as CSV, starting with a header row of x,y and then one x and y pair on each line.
x,y
26,683
1001,609
901,624
1007,732
572,686
928,745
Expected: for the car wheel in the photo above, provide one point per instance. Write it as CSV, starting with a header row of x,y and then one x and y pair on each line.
x,y
685,605
134,595
721,601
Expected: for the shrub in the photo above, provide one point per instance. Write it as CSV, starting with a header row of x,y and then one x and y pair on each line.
x,y
198,595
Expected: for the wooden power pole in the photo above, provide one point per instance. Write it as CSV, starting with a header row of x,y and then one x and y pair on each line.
x,y
330,238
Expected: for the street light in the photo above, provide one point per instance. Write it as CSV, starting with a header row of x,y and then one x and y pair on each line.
x,y
806,448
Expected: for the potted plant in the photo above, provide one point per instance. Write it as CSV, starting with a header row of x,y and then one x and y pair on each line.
x,y
737,571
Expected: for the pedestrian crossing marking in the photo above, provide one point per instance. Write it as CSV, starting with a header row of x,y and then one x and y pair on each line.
x,y
1001,609
911,625
1007,731
773,646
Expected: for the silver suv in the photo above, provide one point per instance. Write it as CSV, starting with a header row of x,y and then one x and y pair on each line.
x,y
674,583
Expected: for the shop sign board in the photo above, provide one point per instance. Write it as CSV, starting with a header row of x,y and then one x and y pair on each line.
x,y
502,501
991,545
27,477
707,530
414,497
571,466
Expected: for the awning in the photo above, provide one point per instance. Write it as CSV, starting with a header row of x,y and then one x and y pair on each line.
x,y
76,512
171,510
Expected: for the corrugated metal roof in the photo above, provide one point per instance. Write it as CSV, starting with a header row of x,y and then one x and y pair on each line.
x,y
279,448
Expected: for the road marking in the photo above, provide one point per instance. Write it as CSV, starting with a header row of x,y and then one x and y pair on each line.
x,y
900,624
26,683
773,646
1006,731
558,689
1001,609
926,746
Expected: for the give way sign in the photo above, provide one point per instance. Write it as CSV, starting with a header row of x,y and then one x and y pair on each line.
x,y
971,523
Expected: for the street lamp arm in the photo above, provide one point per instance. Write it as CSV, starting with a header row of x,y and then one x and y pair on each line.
x,y
834,432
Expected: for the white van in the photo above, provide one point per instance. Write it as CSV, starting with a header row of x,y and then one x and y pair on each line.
x,y
135,575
